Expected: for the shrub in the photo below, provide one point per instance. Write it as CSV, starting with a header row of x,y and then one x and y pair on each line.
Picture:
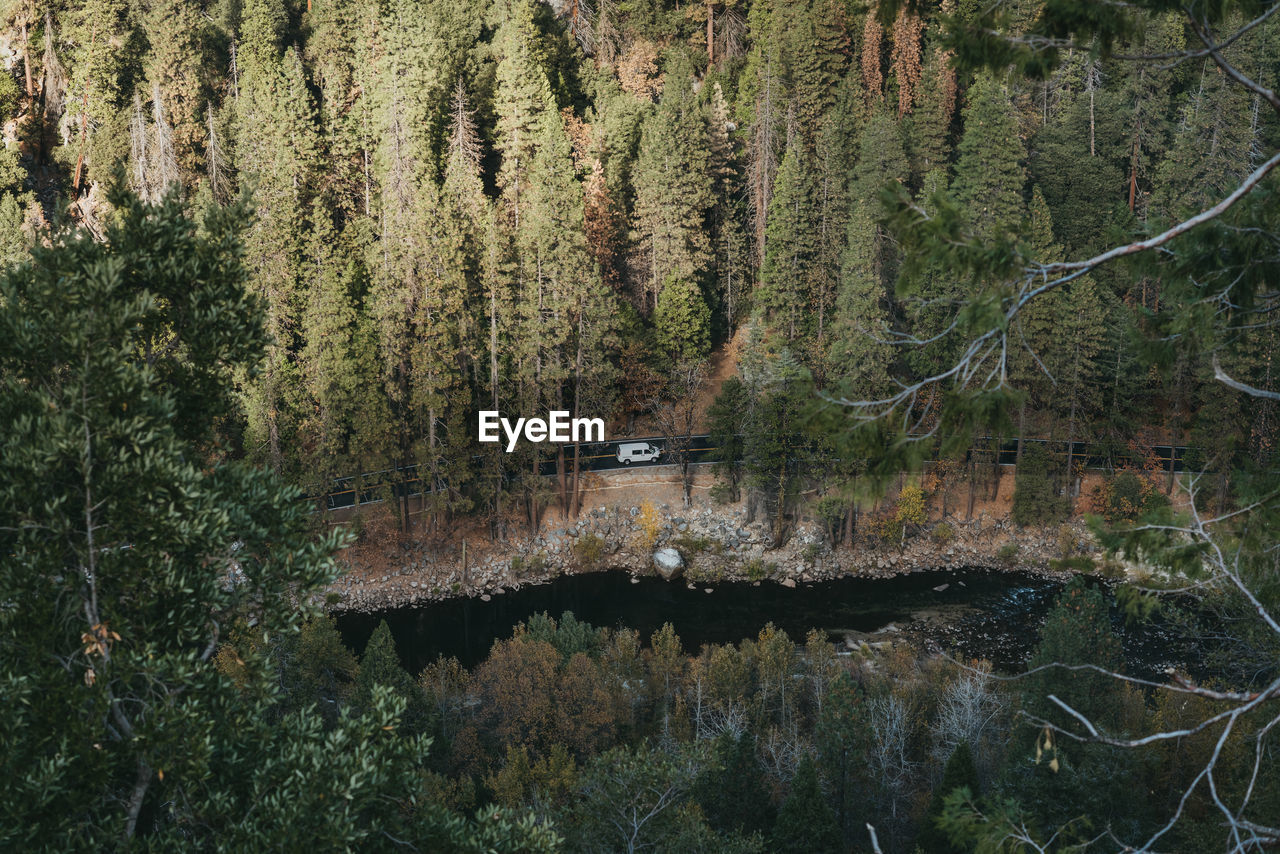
x,y
1078,563
1068,540
1035,498
909,511
1126,496
704,574
588,550
886,529
650,523
689,545
756,570
812,552
830,511
943,533
1007,554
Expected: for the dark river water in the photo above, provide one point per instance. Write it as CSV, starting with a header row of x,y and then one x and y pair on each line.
x,y
978,613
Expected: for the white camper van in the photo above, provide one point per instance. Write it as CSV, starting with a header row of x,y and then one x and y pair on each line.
x,y
638,452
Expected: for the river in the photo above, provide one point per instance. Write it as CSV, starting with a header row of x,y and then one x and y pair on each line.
x,y
973,612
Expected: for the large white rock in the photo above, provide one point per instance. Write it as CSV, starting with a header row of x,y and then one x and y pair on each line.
x,y
668,563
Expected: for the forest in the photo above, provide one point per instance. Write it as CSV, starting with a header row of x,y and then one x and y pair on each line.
x,y
250,246
530,207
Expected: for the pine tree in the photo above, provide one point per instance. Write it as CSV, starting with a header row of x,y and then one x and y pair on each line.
x,y
959,772
732,261
380,666
175,69
842,737
731,791
989,167
860,352
905,57
786,289
674,189
682,322
816,56
276,153
761,109
806,824
1209,154
929,130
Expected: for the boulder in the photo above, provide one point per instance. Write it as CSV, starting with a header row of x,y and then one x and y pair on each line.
x,y
668,563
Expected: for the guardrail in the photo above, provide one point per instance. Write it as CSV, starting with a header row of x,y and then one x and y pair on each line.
x,y
403,481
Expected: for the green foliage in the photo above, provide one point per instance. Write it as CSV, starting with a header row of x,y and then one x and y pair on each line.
x,y
589,550
1007,554
1077,631
958,775
1035,494
568,635
1128,496
683,322
806,824
942,533
731,790
115,363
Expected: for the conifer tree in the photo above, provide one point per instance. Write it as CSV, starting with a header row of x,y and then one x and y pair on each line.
x,y
989,166
177,37
761,109
349,420
861,352
957,773
276,153
731,259
806,824
682,322
929,130
674,189
787,288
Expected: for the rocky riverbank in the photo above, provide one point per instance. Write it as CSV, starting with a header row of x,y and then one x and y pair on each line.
x,y
699,546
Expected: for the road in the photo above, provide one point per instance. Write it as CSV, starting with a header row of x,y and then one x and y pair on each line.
x,y
602,456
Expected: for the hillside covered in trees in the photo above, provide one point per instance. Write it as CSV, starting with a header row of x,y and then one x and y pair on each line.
x,y
247,246
526,207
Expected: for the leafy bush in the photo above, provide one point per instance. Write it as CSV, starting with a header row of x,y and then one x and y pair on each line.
x,y
909,511
756,570
688,545
650,523
943,533
887,529
1007,554
1068,540
830,511
1078,563
588,549
812,552
1035,497
1126,496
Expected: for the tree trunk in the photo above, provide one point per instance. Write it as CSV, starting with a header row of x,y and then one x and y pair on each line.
x,y
711,33
1133,167
26,62
562,482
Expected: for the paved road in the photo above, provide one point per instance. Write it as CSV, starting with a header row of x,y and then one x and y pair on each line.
x,y
602,456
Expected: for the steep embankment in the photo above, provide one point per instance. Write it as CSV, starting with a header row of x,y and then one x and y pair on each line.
x,y
627,518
